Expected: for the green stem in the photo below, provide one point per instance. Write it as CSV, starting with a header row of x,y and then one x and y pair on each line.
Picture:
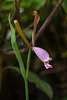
x,y
27,71
26,90
28,63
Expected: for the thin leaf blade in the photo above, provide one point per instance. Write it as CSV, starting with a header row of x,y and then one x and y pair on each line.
x,y
16,50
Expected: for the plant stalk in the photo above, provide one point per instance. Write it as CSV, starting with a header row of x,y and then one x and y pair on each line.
x,y
28,63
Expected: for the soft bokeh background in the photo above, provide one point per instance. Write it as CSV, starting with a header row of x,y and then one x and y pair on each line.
x,y
54,40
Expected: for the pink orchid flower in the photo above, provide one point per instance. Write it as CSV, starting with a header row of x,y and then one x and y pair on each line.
x,y
43,56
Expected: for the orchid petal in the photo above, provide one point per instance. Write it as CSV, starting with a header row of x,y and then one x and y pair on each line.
x,y
42,54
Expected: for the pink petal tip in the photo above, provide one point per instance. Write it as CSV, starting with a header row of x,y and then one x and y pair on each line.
x,y
47,65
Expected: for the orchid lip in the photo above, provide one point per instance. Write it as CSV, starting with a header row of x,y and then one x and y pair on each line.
x,y
47,65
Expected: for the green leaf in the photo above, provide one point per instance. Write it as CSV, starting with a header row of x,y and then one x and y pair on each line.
x,y
25,3
16,50
64,5
39,4
17,53
7,4
40,84
12,68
